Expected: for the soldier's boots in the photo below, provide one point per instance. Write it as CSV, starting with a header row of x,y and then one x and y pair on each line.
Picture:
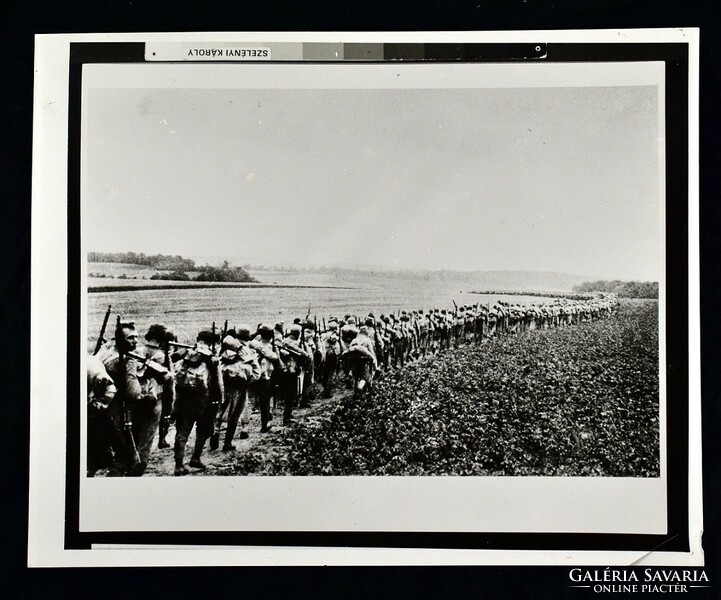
x,y
214,441
137,469
196,463
163,432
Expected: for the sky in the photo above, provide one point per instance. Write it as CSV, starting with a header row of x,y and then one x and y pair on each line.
x,y
557,179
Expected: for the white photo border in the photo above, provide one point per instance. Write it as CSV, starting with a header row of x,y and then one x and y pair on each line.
x,y
50,276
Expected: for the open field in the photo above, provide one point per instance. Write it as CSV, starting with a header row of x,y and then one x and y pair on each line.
x,y
187,307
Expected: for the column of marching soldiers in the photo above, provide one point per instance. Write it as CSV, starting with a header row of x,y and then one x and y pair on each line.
x,y
135,392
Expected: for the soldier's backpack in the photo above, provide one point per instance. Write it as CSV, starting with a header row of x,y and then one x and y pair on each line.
x,y
192,375
235,371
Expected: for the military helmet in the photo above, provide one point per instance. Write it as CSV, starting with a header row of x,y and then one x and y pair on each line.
x,y
265,330
230,343
159,333
207,336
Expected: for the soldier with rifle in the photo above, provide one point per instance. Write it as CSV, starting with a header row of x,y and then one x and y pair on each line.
x,y
102,436
158,340
331,344
123,369
379,347
199,391
309,346
296,360
156,382
264,344
240,369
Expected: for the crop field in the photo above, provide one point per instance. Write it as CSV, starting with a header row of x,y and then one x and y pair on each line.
x,y
578,401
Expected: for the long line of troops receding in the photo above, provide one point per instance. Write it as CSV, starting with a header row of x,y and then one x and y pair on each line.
x,y
136,392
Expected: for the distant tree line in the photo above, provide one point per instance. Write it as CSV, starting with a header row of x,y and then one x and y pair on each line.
x,y
624,289
225,273
121,276
154,261
176,265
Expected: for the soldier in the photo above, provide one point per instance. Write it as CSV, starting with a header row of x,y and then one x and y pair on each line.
x,y
331,346
309,343
437,331
240,368
296,361
480,323
136,407
270,368
386,336
500,317
157,348
348,333
279,331
405,333
469,324
363,360
102,435
459,321
379,346
493,317
199,391
421,329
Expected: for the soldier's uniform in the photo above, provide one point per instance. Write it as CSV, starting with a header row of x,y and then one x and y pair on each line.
x,y
459,323
310,346
387,337
102,435
493,317
139,391
364,362
348,333
240,368
403,338
331,347
469,324
296,360
157,339
374,334
198,394
481,321
437,324
270,368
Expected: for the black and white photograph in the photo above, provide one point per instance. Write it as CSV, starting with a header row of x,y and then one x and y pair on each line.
x,y
389,281
355,290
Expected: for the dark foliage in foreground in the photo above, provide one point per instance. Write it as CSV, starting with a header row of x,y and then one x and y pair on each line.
x,y
575,401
